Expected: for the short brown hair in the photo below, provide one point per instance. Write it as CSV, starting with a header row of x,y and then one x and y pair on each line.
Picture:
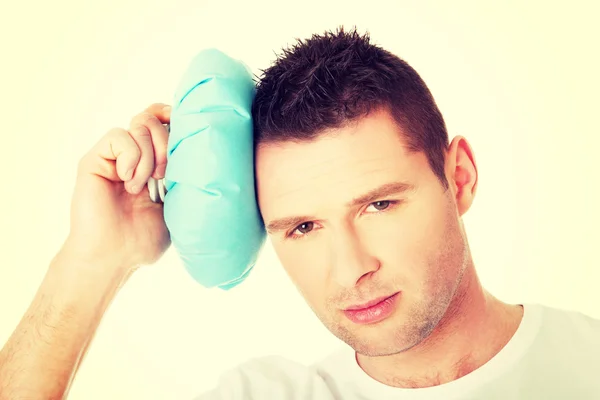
x,y
338,77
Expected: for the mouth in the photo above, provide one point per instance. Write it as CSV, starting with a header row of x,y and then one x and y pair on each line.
x,y
372,311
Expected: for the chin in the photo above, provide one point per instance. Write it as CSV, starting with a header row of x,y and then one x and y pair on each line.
x,y
388,337
382,347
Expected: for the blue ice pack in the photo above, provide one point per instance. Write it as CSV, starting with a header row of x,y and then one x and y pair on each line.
x,y
210,207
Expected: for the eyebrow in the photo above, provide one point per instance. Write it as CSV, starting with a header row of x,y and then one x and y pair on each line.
x,y
371,196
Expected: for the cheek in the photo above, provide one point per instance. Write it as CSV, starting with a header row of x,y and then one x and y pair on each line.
x,y
414,243
305,264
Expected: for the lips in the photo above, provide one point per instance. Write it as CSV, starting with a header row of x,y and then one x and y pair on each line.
x,y
367,304
373,311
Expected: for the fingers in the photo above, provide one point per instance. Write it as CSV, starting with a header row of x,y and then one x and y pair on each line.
x,y
145,166
151,136
114,157
161,111
160,138
136,155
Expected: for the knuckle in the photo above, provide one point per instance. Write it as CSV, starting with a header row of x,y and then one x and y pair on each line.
x,y
83,163
145,118
116,133
134,152
155,106
121,142
140,130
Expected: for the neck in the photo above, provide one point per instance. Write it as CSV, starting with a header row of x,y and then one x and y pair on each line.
x,y
474,329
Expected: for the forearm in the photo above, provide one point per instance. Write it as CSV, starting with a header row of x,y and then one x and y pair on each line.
x,y
44,352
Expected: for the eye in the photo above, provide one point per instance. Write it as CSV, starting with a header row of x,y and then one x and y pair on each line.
x,y
307,228
303,229
380,205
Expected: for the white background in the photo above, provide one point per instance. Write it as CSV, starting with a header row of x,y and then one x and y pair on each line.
x,y
518,79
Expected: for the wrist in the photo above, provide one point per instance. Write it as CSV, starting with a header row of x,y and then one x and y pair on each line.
x,y
86,259
77,278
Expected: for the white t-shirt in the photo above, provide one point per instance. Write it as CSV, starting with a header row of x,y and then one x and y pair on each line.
x,y
554,354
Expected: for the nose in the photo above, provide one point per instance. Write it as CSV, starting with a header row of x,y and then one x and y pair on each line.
x,y
351,262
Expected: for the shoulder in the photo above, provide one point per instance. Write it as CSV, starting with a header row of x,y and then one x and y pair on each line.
x,y
274,368
570,332
270,377
567,351
571,322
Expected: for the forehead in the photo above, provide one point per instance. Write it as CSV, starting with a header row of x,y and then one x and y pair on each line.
x,y
308,177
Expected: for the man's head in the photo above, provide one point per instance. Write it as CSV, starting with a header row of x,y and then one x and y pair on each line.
x,y
360,190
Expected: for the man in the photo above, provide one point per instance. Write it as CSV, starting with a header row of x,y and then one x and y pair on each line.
x,y
368,228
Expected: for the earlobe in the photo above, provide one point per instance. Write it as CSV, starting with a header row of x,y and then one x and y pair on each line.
x,y
461,170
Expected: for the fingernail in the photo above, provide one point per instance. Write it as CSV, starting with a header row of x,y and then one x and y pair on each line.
x,y
135,189
160,170
129,174
167,108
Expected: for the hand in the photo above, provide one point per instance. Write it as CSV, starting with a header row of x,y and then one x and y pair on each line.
x,y
113,219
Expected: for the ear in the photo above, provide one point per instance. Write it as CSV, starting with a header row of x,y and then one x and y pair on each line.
x,y
461,172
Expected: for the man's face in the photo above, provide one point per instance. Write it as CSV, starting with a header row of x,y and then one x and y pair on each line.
x,y
347,248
